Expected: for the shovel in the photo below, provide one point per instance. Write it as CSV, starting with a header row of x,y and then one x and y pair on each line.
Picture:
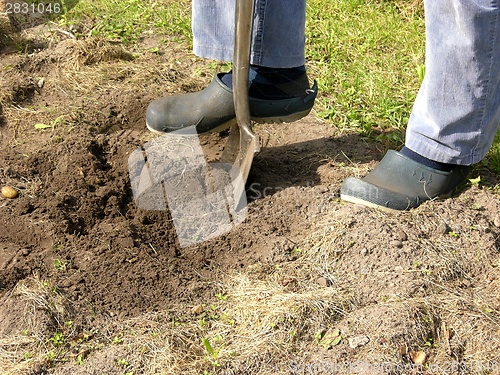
x,y
242,143
204,201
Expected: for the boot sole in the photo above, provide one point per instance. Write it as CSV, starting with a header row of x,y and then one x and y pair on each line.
x,y
348,198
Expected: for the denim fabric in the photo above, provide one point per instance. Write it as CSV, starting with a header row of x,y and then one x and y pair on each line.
x,y
278,38
457,110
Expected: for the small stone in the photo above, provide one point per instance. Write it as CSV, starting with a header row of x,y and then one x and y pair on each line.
x,y
402,235
396,243
41,82
197,309
497,221
364,251
358,341
106,227
322,281
443,228
38,370
418,357
323,189
9,192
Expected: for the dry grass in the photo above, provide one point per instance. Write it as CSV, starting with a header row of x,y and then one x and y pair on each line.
x,y
79,69
84,71
95,50
267,316
44,312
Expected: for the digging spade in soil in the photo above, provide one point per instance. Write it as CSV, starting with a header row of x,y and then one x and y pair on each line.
x,y
204,200
242,143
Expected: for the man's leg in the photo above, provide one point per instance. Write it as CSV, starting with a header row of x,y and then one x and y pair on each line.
x,y
278,38
457,110
279,89
456,113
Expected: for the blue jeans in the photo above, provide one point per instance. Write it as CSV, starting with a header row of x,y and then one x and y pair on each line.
x,y
278,38
457,110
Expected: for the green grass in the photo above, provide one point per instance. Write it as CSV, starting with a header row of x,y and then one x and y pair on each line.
x,y
365,57
127,19
492,159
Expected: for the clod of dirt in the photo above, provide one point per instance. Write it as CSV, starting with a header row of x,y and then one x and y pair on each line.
x,y
496,221
418,357
443,228
9,192
323,189
402,235
358,341
403,350
396,243
38,370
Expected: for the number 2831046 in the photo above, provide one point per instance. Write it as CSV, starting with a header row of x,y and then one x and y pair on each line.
x,y
25,8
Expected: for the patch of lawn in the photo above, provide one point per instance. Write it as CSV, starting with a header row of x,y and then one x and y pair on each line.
x,y
125,20
365,57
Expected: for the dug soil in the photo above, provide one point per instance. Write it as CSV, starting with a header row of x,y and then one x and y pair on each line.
x,y
75,224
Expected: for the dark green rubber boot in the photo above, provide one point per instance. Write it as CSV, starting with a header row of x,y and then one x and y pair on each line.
x,y
212,109
398,183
